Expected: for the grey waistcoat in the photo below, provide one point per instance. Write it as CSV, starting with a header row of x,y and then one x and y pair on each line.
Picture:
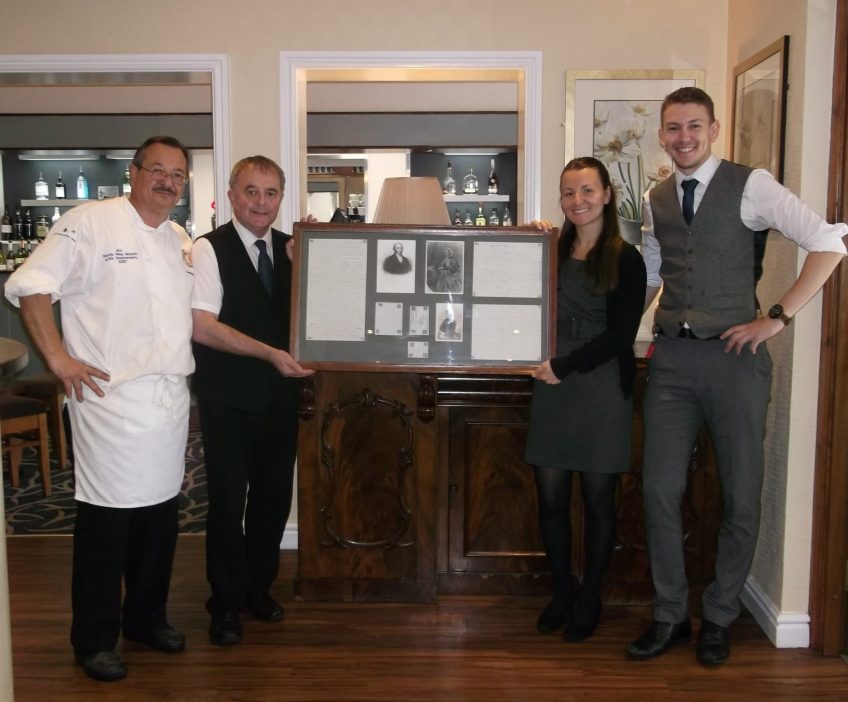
x,y
708,267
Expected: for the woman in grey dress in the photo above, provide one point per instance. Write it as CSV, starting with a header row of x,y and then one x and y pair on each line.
x,y
581,415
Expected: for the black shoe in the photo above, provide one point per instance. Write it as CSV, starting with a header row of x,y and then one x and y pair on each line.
x,y
106,666
553,616
713,644
264,607
164,638
583,622
225,628
658,639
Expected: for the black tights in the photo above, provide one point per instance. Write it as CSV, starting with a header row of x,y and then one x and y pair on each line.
x,y
554,490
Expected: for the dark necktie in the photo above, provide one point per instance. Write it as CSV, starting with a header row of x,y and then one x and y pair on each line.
x,y
266,268
689,199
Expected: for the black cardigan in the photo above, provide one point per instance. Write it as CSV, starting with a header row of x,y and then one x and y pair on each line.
x,y
624,312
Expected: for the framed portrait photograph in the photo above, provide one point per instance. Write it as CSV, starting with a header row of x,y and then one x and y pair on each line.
x,y
615,116
379,297
759,109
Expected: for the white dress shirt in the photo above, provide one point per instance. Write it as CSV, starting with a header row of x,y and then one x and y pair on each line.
x,y
208,292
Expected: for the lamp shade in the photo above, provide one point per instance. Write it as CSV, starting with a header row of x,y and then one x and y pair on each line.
x,y
412,201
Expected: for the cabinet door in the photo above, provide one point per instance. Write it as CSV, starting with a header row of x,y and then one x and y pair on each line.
x,y
492,526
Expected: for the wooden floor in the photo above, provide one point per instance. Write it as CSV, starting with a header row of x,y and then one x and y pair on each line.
x,y
464,648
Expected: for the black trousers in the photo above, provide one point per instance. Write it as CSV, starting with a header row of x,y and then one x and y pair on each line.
x,y
249,473
112,544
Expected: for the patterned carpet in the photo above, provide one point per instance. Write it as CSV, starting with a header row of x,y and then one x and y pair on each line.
x,y
28,511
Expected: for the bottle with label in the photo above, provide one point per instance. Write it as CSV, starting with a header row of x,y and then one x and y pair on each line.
x,y
126,187
457,218
507,219
468,222
42,192
18,225
494,221
60,187
10,257
28,228
82,186
6,226
2,260
470,184
56,215
42,226
189,226
493,179
480,221
21,254
449,184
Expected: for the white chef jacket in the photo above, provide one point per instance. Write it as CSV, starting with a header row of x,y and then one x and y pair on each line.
x,y
126,309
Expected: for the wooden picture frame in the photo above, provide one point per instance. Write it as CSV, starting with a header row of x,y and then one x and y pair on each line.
x,y
431,299
759,109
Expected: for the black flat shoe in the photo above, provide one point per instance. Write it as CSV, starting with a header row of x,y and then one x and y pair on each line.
x,y
106,666
658,639
582,623
225,628
165,638
264,607
553,616
713,644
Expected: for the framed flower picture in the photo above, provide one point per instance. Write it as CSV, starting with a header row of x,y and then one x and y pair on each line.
x,y
615,116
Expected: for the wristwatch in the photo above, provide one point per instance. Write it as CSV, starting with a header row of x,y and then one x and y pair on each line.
x,y
776,312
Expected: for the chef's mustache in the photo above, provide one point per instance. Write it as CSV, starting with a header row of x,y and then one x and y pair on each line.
x,y
165,189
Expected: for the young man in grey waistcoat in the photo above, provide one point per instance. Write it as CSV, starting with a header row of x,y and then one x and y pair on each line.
x,y
703,235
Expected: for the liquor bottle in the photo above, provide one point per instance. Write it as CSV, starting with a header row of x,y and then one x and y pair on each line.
x,y
28,229
457,218
10,257
126,187
449,184
42,192
507,220
18,225
493,219
468,221
56,215
82,186
6,227
493,180
20,254
42,226
481,218
60,187
2,260
469,183
189,226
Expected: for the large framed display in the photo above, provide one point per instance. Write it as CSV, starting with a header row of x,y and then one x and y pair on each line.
x,y
391,297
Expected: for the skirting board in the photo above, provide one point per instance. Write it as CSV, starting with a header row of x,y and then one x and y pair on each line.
x,y
289,542
785,629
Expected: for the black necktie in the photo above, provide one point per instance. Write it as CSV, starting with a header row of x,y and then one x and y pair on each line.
x,y
689,199
266,268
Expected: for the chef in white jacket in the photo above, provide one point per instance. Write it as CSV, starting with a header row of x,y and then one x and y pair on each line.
x,y
123,274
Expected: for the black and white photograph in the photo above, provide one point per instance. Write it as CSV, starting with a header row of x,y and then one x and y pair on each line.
x,y
395,266
445,267
448,321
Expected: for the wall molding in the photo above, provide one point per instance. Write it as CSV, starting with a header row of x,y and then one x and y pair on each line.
x,y
784,629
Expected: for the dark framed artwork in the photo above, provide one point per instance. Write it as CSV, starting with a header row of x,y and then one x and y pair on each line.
x,y
759,109
390,297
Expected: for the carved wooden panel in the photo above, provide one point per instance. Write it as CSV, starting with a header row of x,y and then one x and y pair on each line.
x,y
365,491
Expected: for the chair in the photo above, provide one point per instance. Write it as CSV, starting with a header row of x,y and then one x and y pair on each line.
x,y
47,388
20,417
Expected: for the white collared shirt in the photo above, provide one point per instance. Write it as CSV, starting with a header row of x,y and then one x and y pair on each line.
x,y
208,292
766,204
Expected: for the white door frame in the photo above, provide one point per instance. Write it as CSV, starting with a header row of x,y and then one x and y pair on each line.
x,y
293,107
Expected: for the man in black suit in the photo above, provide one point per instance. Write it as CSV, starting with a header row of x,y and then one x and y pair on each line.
x,y
397,263
244,382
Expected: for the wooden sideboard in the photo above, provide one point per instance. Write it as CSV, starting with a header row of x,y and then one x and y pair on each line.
x,y
411,485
